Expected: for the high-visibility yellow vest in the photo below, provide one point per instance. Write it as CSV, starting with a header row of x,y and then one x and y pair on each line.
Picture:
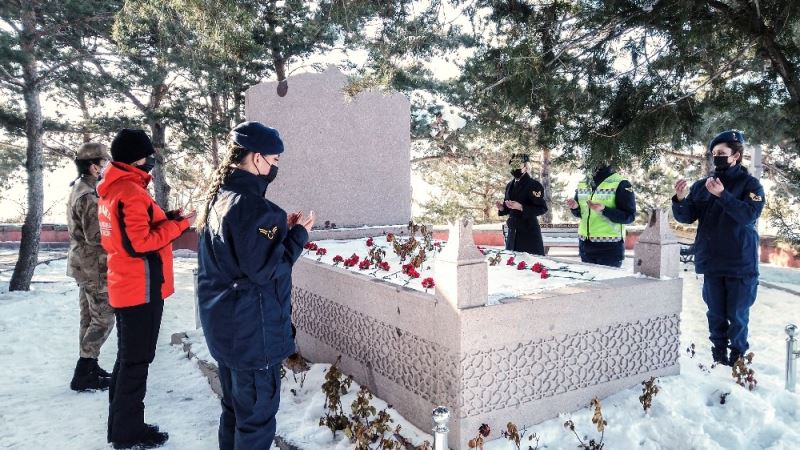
x,y
594,225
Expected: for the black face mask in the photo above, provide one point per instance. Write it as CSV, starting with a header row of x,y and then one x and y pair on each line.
x,y
271,175
721,163
516,173
148,164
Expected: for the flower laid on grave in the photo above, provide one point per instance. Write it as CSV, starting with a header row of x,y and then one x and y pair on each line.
x,y
510,261
364,264
351,261
544,274
383,265
522,265
337,259
370,242
537,267
322,251
311,246
410,270
428,283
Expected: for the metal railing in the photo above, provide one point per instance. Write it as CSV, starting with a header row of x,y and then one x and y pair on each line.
x,y
792,354
441,416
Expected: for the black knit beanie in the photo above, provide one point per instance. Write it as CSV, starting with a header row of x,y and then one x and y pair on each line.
x,y
131,145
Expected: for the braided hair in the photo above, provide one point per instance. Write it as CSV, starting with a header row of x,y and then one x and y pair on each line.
x,y
233,157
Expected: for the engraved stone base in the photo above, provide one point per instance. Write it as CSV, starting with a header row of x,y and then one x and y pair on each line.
x,y
525,361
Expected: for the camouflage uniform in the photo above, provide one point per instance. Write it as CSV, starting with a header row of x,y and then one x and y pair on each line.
x,y
87,260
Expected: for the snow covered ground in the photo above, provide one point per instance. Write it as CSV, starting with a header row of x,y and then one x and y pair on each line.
x,y
38,349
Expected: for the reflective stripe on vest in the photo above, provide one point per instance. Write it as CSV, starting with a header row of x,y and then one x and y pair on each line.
x,y
594,226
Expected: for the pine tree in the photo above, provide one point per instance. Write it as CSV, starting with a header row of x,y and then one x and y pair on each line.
x,y
39,41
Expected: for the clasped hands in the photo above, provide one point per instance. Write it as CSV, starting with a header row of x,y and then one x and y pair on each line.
x,y
298,218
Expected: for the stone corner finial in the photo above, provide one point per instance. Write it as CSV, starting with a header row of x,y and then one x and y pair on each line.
x,y
460,243
462,277
657,252
658,230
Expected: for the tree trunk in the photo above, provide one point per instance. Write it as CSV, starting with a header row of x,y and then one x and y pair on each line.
x,y
160,185
544,178
31,229
87,137
216,119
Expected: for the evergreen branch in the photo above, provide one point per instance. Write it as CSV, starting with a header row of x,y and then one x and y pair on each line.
x,y
71,25
47,75
122,88
10,79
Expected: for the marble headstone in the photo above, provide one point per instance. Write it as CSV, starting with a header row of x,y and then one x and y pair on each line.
x,y
346,158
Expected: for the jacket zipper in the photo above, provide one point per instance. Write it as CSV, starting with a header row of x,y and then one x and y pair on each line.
x,y
263,336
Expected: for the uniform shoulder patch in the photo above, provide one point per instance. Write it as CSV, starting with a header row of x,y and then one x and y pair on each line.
x,y
755,197
269,234
537,194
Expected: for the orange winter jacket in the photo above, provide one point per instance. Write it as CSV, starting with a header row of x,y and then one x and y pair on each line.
x,y
137,235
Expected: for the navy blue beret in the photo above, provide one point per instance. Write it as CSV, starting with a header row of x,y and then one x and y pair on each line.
x,y
726,136
258,138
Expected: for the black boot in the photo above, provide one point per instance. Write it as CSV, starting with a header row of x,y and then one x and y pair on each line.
x,y
720,355
99,370
151,437
86,378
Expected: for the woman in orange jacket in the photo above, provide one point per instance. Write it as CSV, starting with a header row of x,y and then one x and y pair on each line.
x,y
137,235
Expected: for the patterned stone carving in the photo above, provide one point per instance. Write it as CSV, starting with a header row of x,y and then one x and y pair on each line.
x,y
420,366
492,378
524,372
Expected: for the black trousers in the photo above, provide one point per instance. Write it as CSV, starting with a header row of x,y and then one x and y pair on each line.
x,y
137,334
250,400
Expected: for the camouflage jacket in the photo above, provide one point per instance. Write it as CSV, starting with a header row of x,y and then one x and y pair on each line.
x,y
86,260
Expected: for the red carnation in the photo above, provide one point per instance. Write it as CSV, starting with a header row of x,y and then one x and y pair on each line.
x,y
383,265
322,251
337,259
510,261
410,270
370,242
364,265
428,283
545,274
522,265
538,268
351,261
311,246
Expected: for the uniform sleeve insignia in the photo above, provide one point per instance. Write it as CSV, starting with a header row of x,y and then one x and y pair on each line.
x,y
755,197
269,234
537,194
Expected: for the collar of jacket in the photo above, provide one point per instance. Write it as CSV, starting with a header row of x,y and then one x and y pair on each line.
x,y
90,180
731,173
120,171
601,175
246,182
524,175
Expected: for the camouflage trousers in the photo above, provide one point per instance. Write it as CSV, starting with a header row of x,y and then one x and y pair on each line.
x,y
97,319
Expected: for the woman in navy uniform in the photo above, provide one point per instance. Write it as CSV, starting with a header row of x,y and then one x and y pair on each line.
x,y
727,206
523,203
248,246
